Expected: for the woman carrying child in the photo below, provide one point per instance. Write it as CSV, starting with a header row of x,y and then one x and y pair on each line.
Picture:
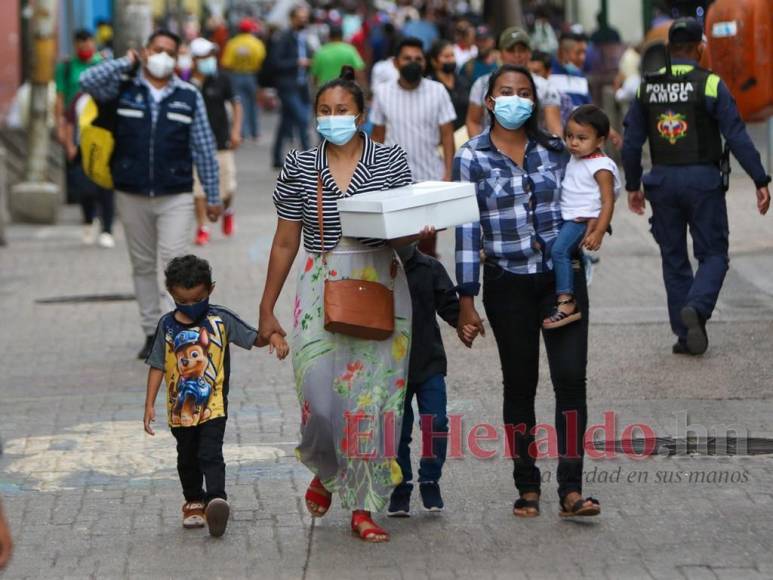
x,y
351,390
517,170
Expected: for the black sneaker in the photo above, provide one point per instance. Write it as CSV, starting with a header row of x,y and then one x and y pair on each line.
x,y
697,339
680,347
217,516
145,352
430,497
400,502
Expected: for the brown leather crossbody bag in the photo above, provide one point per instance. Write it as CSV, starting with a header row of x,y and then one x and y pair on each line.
x,y
355,307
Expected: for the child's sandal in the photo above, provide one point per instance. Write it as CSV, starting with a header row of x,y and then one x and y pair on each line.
x,y
558,318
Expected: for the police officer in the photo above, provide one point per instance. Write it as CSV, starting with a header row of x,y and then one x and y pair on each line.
x,y
684,111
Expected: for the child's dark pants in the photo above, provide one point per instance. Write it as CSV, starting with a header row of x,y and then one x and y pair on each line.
x,y
431,398
200,458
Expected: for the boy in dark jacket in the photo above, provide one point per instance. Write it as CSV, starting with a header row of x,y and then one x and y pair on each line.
x,y
431,292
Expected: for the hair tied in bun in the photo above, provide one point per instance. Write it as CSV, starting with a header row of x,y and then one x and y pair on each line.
x,y
347,73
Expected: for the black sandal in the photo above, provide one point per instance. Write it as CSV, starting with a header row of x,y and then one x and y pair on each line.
x,y
557,318
580,509
524,504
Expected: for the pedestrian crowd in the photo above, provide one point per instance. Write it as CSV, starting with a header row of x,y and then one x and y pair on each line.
x,y
396,98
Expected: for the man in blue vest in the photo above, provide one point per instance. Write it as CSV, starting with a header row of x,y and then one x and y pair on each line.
x,y
161,132
684,111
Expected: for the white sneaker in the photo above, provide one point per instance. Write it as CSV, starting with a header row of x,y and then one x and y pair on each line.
x,y
105,240
89,235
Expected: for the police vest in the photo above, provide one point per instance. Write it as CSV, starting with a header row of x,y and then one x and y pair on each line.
x,y
680,129
153,158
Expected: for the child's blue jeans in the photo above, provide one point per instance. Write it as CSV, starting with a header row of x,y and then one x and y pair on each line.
x,y
431,398
569,238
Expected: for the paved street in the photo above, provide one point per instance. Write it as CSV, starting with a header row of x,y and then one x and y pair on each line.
x,y
88,495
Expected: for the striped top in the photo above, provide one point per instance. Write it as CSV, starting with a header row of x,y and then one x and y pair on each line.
x,y
295,196
413,119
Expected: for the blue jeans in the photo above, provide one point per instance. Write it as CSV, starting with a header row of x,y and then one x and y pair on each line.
x,y
295,114
431,397
569,238
245,85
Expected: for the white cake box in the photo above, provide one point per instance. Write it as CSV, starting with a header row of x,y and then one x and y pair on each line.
x,y
394,213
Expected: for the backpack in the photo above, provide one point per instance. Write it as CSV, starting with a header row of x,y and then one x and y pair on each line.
x,y
96,125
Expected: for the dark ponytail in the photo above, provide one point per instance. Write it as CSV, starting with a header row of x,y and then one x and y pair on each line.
x,y
531,126
346,81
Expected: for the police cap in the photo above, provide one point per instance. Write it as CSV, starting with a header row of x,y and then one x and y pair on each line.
x,y
685,30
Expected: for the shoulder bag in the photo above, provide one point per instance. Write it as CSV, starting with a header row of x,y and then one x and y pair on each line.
x,y
357,308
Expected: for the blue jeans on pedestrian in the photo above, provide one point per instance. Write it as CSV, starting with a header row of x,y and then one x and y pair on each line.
x,y
565,245
431,398
245,85
295,114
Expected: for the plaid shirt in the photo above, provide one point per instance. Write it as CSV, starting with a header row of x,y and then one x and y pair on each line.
x,y
103,82
520,213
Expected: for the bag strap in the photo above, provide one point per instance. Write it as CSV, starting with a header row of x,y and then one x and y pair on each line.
x,y
320,220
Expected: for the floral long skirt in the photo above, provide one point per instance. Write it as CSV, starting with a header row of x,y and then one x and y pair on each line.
x,y
351,391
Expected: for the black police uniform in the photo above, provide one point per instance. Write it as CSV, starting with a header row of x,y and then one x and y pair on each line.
x,y
683,112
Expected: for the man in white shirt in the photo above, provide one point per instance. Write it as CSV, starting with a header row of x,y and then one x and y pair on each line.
x,y
417,114
515,48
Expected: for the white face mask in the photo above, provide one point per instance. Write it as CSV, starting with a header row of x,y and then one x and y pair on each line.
x,y
160,65
185,62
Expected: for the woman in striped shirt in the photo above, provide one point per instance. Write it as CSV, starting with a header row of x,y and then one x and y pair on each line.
x,y
351,391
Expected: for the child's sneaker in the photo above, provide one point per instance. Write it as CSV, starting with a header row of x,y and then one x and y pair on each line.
x,y
217,516
400,502
193,514
228,223
202,236
430,497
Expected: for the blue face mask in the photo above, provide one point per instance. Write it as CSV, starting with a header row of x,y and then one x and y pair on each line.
x,y
512,111
194,311
572,68
338,129
207,66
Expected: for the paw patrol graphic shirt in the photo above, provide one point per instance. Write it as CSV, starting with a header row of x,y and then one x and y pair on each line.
x,y
195,359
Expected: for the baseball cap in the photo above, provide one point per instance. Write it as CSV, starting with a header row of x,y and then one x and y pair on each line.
x,y
247,25
512,36
483,32
685,30
201,47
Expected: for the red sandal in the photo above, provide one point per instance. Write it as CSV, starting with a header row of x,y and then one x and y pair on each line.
x,y
360,517
317,495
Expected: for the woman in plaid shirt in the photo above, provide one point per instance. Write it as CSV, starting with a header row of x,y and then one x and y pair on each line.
x,y
517,170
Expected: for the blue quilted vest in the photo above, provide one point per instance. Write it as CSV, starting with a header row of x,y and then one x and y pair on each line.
x,y
153,158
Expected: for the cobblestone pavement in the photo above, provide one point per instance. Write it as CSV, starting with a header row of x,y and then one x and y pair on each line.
x,y
89,495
